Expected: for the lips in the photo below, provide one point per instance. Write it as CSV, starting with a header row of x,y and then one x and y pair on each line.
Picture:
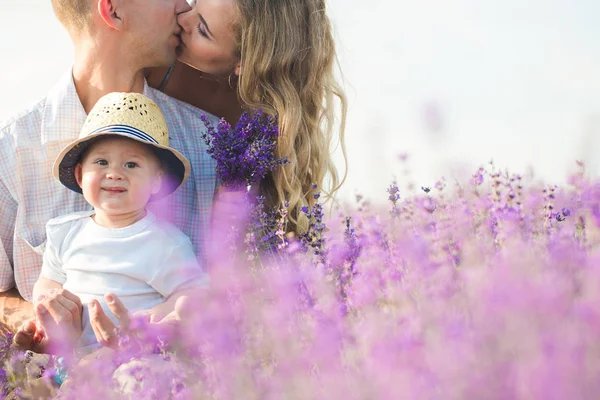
x,y
177,39
177,33
114,189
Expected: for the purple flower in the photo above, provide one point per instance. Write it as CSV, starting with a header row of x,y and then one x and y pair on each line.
x,y
394,193
313,237
244,154
262,236
393,197
427,204
477,178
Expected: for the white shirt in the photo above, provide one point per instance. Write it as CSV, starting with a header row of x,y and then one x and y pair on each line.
x,y
30,197
142,264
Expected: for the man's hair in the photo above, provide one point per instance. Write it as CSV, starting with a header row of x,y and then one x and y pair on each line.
x,y
73,14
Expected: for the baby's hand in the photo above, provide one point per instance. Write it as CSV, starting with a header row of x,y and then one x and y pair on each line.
x,y
57,325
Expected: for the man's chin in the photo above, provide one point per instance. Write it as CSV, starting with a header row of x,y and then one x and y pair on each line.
x,y
172,56
165,61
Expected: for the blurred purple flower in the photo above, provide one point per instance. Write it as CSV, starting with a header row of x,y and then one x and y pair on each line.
x,y
468,295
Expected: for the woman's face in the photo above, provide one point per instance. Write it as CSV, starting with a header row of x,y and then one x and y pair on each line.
x,y
207,39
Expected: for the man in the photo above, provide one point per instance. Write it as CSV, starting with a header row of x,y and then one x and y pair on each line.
x,y
114,41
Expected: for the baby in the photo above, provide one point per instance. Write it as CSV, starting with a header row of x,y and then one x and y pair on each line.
x,y
120,162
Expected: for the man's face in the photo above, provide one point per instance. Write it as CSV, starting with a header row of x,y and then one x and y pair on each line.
x,y
152,29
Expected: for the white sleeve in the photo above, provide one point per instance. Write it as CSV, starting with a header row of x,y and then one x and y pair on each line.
x,y
181,270
52,267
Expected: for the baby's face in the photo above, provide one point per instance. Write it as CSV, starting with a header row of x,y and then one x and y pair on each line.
x,y
118,176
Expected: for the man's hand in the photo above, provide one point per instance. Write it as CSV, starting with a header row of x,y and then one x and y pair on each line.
x,y
57,325
28,337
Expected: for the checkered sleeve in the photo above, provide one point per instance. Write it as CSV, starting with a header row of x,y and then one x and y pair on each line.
x,y
8,212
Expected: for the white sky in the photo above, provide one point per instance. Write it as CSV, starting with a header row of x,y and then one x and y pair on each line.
x,y
452,82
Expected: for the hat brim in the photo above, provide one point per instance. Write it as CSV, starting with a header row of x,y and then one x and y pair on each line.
x,y
177,167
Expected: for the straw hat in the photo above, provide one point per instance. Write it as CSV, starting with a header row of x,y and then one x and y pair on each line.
x,y
130,115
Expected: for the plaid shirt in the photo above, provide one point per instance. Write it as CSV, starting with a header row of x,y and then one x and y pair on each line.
x,y
30,196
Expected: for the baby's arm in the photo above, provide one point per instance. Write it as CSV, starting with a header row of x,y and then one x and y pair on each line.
x,y
43,286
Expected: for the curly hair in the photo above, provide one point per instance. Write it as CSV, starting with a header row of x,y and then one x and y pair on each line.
x,y
287,55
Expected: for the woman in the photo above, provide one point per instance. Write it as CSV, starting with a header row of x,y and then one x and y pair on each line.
x,y
272,55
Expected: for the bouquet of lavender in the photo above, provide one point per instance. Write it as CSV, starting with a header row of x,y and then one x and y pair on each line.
x,y
244,154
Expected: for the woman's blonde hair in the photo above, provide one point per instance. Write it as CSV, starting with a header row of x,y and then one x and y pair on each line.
x,y
287,54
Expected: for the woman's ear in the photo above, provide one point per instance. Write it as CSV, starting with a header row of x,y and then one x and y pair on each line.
x,y
238,68
108,12
78,174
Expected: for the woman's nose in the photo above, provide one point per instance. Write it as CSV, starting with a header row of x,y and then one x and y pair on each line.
x,y
184,20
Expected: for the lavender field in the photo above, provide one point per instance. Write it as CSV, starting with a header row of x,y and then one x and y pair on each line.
x,y
436,274
486,289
